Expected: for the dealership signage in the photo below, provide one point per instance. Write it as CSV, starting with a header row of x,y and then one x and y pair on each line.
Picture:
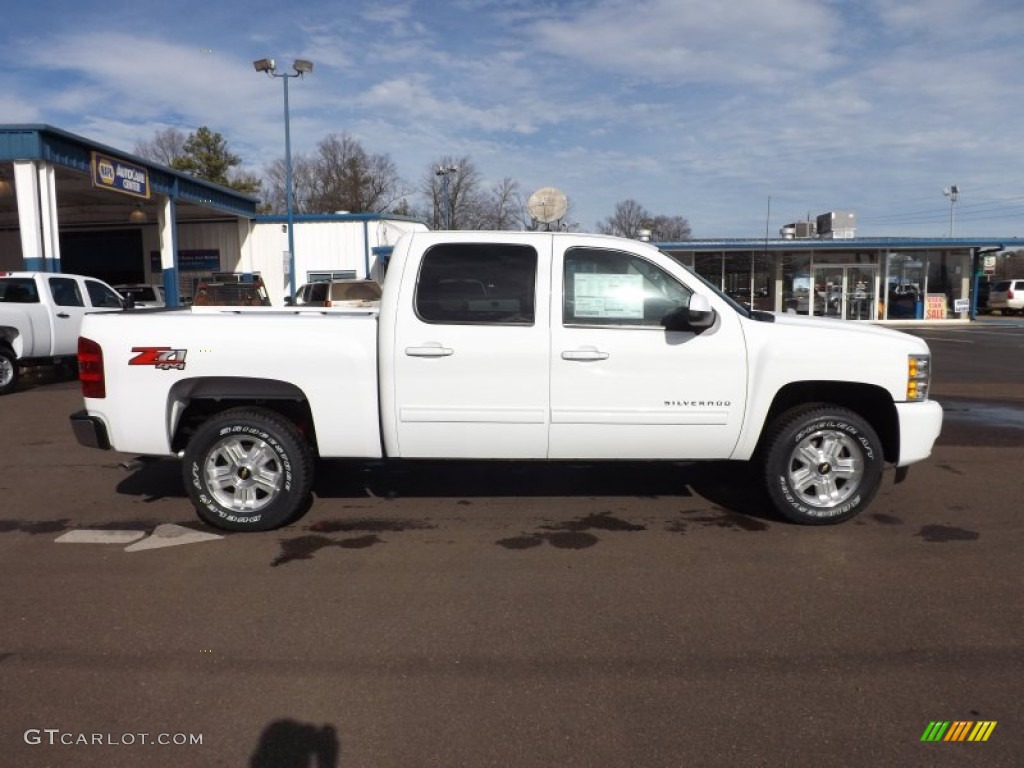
x,y
120,176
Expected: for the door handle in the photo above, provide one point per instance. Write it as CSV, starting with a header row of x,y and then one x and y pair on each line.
x,y
587,353
65,315
431,349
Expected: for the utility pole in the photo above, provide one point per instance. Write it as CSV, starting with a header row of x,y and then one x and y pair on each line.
x,y
953,193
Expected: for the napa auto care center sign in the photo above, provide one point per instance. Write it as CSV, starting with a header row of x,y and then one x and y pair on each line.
x,y
120,176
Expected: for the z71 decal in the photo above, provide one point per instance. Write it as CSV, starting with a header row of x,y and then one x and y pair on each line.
x,y
163,358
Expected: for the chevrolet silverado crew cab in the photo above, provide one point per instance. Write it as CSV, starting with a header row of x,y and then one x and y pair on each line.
x,y
40,315
515,346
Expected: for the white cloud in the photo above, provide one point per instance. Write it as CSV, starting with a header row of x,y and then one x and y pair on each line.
x,y
691,41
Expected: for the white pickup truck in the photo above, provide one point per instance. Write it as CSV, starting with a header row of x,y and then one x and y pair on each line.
x,y
40,316
498,345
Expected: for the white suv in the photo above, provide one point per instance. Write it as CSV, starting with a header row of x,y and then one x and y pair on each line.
x,y
1007,296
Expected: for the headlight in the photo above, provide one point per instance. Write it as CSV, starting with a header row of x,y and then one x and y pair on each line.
x,y
919,374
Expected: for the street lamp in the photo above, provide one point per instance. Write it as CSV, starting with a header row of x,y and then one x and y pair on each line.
x,y
301,67
952,193
444,172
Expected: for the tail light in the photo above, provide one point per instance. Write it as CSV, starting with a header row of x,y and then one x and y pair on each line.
x,y
1009,293
327,302
90,368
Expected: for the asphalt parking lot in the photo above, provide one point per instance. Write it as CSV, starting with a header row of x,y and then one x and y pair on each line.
x,y
508,615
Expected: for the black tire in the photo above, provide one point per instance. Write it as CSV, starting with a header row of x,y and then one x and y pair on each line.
x,y
8,370
822,464
264,466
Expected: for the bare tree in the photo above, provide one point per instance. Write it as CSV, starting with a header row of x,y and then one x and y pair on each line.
x,y
504,207
465,201
350,179
630,217
303,185
340,176
665,229
165,147
627,221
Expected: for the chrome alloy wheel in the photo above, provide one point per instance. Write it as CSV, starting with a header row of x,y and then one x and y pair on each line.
x,y
826,468
6,371
243,473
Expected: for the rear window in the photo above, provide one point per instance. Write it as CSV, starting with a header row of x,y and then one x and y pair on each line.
x,y
362,291
141,293
472,283
18,290
102,296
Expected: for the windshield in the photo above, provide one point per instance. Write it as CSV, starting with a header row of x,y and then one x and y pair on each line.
x,y
715,289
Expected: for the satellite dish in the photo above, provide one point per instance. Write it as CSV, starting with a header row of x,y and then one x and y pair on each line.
x,y
547,205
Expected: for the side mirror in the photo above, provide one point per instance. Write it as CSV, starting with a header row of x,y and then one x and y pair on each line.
x,y
699,316
129,301
289,301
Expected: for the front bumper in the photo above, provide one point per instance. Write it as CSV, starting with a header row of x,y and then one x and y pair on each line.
x,y
90,431
920,424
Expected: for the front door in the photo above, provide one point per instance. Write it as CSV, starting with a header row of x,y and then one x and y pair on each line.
x,y
860,292
622,387
471,360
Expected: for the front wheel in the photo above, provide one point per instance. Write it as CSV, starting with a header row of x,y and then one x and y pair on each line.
x,y
248,469
822,464
8,370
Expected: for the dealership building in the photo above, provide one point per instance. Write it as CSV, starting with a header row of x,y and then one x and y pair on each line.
x,y
69,204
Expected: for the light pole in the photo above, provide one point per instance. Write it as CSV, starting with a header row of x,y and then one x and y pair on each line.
x,y
952,193
300,67
444,172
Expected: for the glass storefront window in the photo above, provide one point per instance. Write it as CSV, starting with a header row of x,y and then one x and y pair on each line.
x,y
904,284
796,283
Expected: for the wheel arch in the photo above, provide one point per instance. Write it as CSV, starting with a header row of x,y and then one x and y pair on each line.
x,y
872,403
11,338
193,401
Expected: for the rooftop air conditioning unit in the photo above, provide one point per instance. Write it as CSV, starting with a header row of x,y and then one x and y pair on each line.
x,y
837,225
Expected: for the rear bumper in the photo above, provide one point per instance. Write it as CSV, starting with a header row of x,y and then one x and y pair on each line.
x,y
90,431
920,424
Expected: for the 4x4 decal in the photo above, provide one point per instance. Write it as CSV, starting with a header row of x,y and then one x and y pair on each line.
x,y
163,358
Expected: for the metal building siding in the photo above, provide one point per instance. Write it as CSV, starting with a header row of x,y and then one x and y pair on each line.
x,y
20,142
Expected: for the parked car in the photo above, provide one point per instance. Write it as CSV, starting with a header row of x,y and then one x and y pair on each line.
x,y
337,293
142,295
231,291
1007,296
40,316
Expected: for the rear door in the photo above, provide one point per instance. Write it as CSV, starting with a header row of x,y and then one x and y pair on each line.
x,y
69,307
471,352
622,387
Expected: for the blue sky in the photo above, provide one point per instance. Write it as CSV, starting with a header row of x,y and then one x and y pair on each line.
x,y
698,109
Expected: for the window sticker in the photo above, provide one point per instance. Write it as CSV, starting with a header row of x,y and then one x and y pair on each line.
x,y
609,296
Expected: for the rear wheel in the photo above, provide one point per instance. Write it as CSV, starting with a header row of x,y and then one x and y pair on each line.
x,y
248,469
8,370
822,464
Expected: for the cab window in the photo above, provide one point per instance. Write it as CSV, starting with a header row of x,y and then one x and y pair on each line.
x,y
477,283
615,288
65,292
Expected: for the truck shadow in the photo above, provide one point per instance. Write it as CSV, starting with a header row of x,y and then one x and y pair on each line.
x,y
728,485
